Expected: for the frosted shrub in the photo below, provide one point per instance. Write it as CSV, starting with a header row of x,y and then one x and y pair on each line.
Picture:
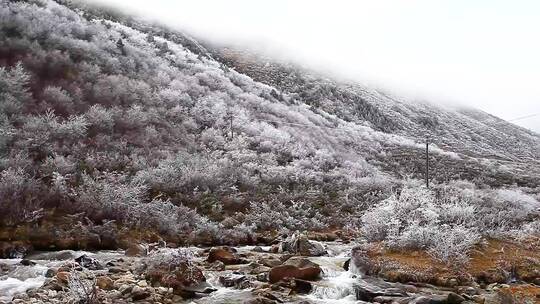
x,y
58,99
239,233
413,236
416,219
506,209
100,119
412,207
185,172
110,196
452,244
13,89
529,229
205,230
114,196
293,216
159,214
20,196
375,222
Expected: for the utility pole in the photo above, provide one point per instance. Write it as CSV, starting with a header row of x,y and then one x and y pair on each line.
x,y
232,131
427,162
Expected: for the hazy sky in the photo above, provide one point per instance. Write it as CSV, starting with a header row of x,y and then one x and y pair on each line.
x,y
482,53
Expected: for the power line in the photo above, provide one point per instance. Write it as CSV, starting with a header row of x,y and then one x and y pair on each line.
x,y
339,127
510,120
524,117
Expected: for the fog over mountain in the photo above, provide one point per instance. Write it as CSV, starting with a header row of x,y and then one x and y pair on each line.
x,y
453,52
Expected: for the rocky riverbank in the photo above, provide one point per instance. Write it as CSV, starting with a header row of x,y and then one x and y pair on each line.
x,y
294,270
493,261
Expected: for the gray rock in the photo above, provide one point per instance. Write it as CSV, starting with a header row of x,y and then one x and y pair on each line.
x,y
300,244
202,287
432,299
139,293
217,266
116,269
237,281
300,262
365,291
26,262
360,261
454,298
270,262
259,300
50,273
389,300
88,262
125,289
257,249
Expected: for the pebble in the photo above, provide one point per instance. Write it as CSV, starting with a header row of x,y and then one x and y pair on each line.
x,y
163,290
125,289
139,293
63,276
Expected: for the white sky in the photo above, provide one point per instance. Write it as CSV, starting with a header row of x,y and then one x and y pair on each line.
x,y
482,53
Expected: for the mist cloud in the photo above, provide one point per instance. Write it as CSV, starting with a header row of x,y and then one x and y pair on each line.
x,y
479,53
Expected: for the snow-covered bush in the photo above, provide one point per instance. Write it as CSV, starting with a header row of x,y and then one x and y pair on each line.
x,y
284,216
506,209
187,172
451,244
416,219
21,196
110,196
239,234
413,207
158,214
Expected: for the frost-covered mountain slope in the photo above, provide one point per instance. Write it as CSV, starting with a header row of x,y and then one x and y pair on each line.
x,y
459,129
100,113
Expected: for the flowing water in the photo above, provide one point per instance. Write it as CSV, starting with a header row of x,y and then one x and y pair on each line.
x,y
20,278
336,285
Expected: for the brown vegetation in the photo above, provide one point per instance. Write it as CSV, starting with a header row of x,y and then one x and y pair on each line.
x,y
494,261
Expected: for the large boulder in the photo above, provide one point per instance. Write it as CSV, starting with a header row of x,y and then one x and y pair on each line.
x,y
224,255
430,299
282,272
184,278
301,262
14,250
369,289
136,250
359,262
88,262
300,244
270,261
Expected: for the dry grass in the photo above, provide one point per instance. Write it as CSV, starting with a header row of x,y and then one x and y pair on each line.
x,y
494,261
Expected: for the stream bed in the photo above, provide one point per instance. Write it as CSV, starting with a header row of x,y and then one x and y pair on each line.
x,y
30,279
